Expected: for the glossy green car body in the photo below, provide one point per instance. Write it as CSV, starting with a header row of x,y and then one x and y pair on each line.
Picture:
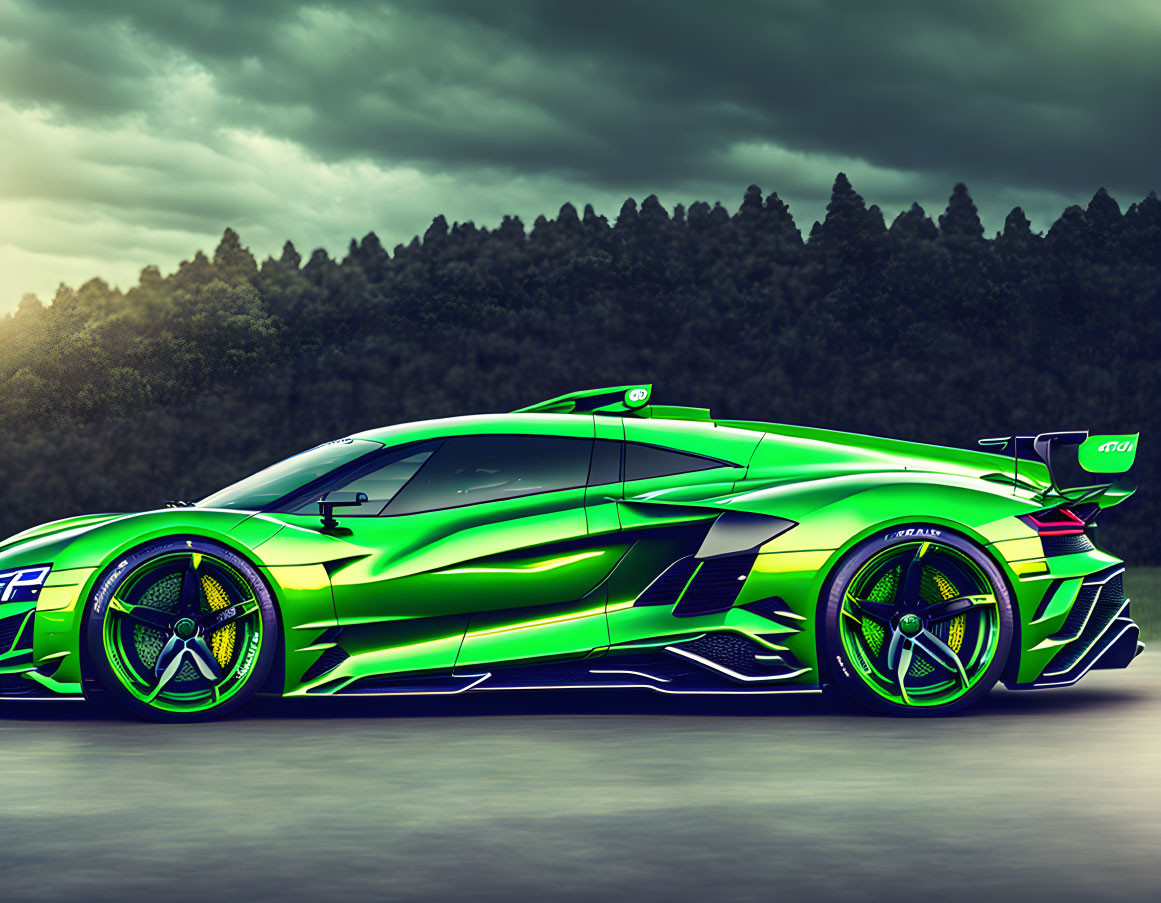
x,y
692,558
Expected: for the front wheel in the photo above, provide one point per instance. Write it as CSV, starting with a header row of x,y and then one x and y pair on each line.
x,y
181,630
917,621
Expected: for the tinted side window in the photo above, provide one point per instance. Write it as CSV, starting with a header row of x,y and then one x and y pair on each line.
x,y
380,478
606,466
468,470
643,462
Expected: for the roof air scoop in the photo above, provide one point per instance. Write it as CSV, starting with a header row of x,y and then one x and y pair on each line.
x,y
615,400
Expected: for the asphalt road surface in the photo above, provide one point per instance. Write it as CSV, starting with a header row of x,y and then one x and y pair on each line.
x,y
1051,796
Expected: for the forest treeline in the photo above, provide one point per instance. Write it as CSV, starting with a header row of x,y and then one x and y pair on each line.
x,y
923,330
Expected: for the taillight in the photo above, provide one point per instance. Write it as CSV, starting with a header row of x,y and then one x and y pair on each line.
x,y
1055,522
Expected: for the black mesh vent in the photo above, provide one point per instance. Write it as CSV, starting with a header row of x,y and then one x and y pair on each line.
x,y
1102,615
1099,603
1114,589
16,685
738,654
665,588
328,661
1079,612
715,587
1066,545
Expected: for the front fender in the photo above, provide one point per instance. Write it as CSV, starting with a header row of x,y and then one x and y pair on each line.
x,y
80,555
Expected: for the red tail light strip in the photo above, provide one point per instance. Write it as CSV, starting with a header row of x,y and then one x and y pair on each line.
x,y
1057,522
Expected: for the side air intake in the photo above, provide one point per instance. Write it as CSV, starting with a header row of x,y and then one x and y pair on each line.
x,y
715,586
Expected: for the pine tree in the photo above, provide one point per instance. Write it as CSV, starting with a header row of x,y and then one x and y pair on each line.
x,y
914,224
1017,237
437,233
232,261
781,222
850,235
290,256
961,220
1069,235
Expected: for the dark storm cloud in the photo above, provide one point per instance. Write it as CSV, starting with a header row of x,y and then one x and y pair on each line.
x,y
134,130
1051,94
1055,95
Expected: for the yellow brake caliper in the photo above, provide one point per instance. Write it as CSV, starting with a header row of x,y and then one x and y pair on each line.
x,y
221,640
955,628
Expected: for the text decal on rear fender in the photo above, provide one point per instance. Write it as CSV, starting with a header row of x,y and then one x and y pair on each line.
x,y
914,531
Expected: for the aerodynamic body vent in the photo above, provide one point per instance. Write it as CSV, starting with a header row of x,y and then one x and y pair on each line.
x,y
327,661
1079,614
774,608
18,685
1066,545
666,588
10,631
715,586
1096,607
739,657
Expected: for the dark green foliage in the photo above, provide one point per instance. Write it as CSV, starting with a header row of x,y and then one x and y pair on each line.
x,y
115,401
961,221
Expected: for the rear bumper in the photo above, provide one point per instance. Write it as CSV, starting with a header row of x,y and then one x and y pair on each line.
x,y
1116,647
1097,632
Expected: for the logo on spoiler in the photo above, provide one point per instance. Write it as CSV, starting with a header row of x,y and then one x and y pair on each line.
x,y
1108,454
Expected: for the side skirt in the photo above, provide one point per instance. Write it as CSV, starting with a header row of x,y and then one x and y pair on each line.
x,y
729,666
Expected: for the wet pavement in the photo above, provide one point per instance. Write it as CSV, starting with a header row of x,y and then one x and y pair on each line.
x,y
1051,795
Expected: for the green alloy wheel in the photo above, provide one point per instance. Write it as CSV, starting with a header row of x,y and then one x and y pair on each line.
x,y
182,630
918,622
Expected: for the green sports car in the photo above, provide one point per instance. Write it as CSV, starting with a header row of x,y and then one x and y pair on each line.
x,y
593,540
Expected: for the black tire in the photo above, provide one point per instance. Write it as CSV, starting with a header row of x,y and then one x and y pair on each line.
x,y
188,614
862,667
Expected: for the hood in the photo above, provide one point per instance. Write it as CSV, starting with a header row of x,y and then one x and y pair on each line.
x,y
39,542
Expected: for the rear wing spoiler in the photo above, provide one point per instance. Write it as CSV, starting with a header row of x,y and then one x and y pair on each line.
x,y
1081,467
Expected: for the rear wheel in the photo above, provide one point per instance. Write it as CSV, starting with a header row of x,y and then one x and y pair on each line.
x,y
917,621
181,630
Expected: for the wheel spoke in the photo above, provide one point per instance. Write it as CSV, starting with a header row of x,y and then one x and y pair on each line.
x,y
169,651
951,608
941,653
910,585
170,670
214,620
162,620
191,587
203,658
881,610
905,654
893,648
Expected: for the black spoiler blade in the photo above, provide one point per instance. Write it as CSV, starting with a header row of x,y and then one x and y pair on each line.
x,y
1071,457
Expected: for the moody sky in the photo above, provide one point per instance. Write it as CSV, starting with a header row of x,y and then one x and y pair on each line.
x,y
133,131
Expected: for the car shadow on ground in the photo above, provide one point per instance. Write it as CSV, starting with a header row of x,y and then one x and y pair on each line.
x,y
641,703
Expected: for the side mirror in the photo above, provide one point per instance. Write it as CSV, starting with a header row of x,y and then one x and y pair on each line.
x,y
332,500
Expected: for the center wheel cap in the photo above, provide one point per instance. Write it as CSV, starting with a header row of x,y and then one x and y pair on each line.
x,y
910,625
185,628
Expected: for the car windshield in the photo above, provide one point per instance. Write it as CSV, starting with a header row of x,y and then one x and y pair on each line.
x,y
261,489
